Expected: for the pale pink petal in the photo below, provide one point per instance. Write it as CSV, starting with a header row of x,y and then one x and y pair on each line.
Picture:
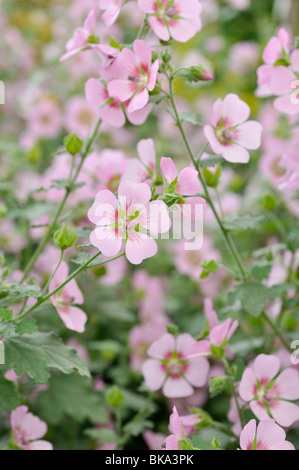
x,y
295,60
213,141
249,135
259,410
235,111
287,384
96,93
122,90
72,291
138,101
175,424
147,6
139,117
177,387
152,79
184,343
163,347
33,427
107,241
159,28
266,368
281,80
134,193
113,115
235,154
201,348
168,169
269,434
285,413
273,51
144,54
154,375
40,445
188,182
247,436
140,247
285,104
197,371
147,153
158,220
193,208
60,276
125,64
286,445
172,443
183,30
73,317
247,388
17,416
103,209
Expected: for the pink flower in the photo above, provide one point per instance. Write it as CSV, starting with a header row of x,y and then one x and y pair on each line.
x,y
175,423
135,76
285,84
81,37
64,301
140,338
230,135
143,170
80,117
112,111
171,369
184,184
266,436
277,48
149,293
271,394
28,430
218,339
290,162
210,313
45,119
131,220
112,9
177,19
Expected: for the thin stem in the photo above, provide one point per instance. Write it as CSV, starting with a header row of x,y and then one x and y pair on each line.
x,y
142,414
53,273
43,299
56,216
277,331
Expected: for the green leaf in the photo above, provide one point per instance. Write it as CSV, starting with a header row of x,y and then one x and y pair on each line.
x,y
19,291
73,396
252,297
135,428
211,161
102,435
9,397
36,354
5,315
219,385
26,326
191,118
261,269
209,267
83,257
242,222
200,444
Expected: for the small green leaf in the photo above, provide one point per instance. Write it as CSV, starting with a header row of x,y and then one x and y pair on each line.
x,y
5,315
26,326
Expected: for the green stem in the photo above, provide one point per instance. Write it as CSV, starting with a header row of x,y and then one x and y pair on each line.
x,y
142,414
43,299
53,273
69,189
